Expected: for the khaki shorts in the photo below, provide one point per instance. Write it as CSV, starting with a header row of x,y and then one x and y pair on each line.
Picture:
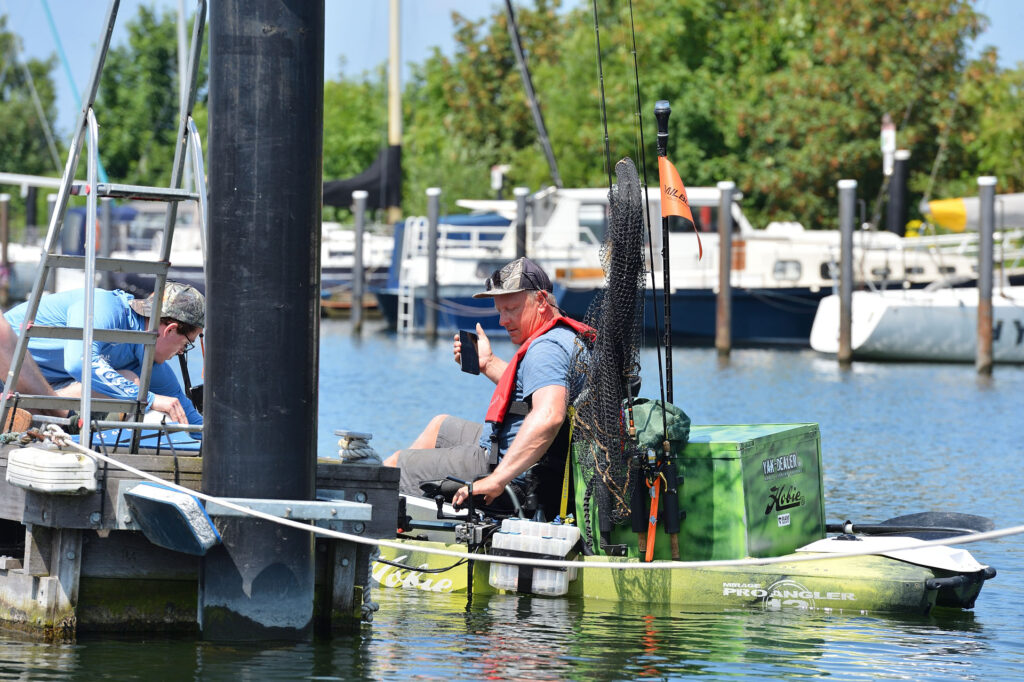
x,y
458,453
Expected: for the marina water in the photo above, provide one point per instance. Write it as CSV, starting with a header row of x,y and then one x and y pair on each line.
x,y
896,439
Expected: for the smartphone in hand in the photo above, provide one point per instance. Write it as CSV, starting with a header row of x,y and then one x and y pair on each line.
x,y
470,357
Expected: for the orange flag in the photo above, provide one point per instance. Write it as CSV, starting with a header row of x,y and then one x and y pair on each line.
x,y
673,197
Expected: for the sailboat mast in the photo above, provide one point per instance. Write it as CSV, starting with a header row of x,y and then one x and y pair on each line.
x,y
394,213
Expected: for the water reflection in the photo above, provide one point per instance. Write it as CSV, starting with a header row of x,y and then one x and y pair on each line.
x,y
436,636
521,637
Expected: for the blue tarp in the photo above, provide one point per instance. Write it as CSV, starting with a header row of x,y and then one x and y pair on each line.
x,y
181,441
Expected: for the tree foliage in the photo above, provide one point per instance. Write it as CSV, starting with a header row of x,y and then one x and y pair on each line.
x,y
23,145
137,103
783,97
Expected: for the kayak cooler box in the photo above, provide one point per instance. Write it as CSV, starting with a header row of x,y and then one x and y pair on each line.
x,y
747,491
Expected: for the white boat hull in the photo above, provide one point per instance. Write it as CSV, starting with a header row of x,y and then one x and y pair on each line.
x,y
917,324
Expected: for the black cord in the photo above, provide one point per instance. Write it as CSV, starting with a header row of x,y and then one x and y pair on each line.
x,y
422,570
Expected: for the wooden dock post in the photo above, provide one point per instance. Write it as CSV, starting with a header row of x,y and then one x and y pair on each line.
x,y
847,204
343,568
986,233
723,318
266,179
522,195
358,274
432,301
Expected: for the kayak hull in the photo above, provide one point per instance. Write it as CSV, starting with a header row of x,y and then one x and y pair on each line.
x,y
861,584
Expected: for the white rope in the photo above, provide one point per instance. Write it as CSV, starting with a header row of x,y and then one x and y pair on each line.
x,y
58,436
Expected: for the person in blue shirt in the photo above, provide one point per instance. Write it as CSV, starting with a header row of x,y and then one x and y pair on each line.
x,y
115,366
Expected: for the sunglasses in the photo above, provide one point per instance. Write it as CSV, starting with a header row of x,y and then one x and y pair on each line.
x,y
494,281
189,345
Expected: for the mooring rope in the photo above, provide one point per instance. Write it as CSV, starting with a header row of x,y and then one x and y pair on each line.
x,y
58,436
357,449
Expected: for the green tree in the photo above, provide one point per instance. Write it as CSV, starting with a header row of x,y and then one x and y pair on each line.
x,y
783,97
984,130
137,103
355,127
467,113
790,95
23,145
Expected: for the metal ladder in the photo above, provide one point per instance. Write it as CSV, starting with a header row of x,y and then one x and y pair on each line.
x,y
86,127
414,245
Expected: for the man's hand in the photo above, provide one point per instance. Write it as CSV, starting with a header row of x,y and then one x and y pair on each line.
x,y
488,486
170,406
483,348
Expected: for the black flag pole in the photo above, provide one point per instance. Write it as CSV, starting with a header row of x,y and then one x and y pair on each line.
x,y
667,463
661,113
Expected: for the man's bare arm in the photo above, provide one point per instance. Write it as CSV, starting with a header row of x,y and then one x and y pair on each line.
x,y
535,436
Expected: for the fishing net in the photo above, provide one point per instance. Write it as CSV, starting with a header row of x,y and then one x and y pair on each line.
x,y
606,455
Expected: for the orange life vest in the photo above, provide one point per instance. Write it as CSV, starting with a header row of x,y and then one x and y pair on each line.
x,y
505,390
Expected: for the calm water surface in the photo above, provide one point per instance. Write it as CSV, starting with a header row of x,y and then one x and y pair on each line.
x,y
896,439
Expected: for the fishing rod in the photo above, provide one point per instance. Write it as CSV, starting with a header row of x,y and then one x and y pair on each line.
x,y
663,463
604,112
659,467
601,492
524,71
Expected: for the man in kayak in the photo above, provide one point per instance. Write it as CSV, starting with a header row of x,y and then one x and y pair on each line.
x,y
115,366
528,408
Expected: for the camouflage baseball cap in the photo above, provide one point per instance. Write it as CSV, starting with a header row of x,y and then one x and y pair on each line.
x,y
522,274
181,302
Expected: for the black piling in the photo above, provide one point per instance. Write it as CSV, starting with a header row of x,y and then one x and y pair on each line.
x,y
106,238
986,232
5,238
522,195
433,300
723,301
31,207
358,273
847,206
51,206
896,210
263,285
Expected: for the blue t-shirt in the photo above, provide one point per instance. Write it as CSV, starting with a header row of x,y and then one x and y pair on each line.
x,y
546,363
60,360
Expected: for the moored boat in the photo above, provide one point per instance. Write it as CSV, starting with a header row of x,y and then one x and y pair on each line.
x,y
780,274
938,325
564,228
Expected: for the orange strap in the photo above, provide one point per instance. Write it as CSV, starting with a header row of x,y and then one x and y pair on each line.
x,y
652,522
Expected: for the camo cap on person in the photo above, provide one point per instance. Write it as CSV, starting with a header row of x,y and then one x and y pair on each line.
x,y
181,302
522,274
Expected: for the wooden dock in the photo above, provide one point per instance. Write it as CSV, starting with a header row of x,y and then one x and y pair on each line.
x,y
78,563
